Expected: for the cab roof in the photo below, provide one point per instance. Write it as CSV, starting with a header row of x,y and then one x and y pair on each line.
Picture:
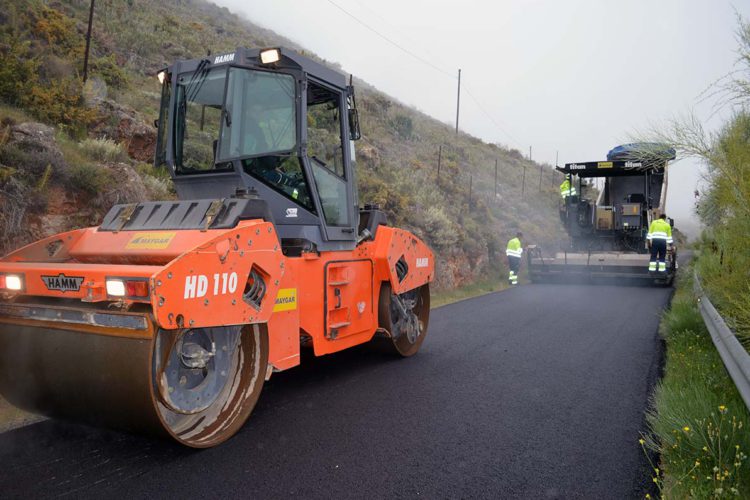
x,y
250,58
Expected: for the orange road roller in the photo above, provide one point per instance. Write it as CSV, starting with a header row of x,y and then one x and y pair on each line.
x,y
170,316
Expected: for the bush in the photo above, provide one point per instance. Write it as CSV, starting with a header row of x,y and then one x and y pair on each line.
x,y
89,179
403,126
104,150
439,228
30,164
24,79
111,72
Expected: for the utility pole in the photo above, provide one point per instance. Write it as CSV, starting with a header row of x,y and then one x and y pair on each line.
x,y
440,155
523,182
88,43
495,177
529,153
458,99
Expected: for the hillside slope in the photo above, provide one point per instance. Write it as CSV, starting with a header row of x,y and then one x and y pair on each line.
x,y
99,149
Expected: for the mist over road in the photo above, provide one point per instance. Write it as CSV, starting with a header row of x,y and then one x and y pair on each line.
x,y
537,391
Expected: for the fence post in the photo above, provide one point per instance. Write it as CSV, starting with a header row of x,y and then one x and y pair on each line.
x,y
440,155
541,171
495,177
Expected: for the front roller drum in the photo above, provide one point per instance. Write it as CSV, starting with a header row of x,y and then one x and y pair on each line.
x,y
196,386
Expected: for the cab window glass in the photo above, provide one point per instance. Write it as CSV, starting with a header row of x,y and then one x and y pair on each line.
x,y
332,192
260,116
282,173
200,96
324,128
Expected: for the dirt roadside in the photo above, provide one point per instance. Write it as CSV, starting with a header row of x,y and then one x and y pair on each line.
x,y
12,418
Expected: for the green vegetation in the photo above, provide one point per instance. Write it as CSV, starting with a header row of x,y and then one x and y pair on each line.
x,y
699,421
724,205
103,150
725,209
493,283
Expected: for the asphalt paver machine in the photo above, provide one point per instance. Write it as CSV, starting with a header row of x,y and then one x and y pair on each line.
x,y
169,316
608,232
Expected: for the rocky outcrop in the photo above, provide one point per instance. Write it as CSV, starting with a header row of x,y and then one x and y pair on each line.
x,y
32,147
122,124
127,186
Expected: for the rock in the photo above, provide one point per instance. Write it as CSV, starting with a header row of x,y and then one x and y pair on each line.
x,y
122,124
35,136
127,187
368,156
36,149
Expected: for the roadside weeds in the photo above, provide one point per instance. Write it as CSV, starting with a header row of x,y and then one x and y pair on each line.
x,y
698,421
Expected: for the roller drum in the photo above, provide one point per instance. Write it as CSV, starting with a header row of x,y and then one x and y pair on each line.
x,y
114,381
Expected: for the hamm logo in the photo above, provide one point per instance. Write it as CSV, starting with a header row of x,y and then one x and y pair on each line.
x,y
150,241
62,283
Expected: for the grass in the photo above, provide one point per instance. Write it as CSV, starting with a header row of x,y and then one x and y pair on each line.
x,y
699,423
483,286
13,114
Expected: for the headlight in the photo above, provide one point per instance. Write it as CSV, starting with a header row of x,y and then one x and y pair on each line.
x,y
12,282
128,287
270,56
115,288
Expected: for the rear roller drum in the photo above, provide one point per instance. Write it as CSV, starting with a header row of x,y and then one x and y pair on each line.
x,y
405,317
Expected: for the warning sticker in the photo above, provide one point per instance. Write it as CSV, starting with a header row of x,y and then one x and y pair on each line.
x,y
150,241
286,300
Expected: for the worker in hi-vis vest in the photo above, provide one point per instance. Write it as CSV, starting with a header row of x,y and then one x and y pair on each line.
x,y
659,236
567,188
514,252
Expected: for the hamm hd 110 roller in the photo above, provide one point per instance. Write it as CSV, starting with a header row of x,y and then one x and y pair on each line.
x,y
169,317
608,234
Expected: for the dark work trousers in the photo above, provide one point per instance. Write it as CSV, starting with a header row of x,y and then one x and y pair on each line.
x,y
515,264
658,252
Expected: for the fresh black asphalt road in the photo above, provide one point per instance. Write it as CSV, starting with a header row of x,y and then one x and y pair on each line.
x,y
535,392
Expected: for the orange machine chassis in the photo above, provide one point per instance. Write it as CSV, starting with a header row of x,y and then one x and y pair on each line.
x,y
200,279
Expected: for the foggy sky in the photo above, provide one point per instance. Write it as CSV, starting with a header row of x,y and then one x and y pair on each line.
x,y
574,76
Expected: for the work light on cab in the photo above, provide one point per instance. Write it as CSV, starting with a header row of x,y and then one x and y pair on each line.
x,y
270,56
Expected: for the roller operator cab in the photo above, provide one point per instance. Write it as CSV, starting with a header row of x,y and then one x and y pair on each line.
x,y
272,122
169,316
608,218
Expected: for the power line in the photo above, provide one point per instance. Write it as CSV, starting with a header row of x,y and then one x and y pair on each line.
x,y
403,49
416,56
494,122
